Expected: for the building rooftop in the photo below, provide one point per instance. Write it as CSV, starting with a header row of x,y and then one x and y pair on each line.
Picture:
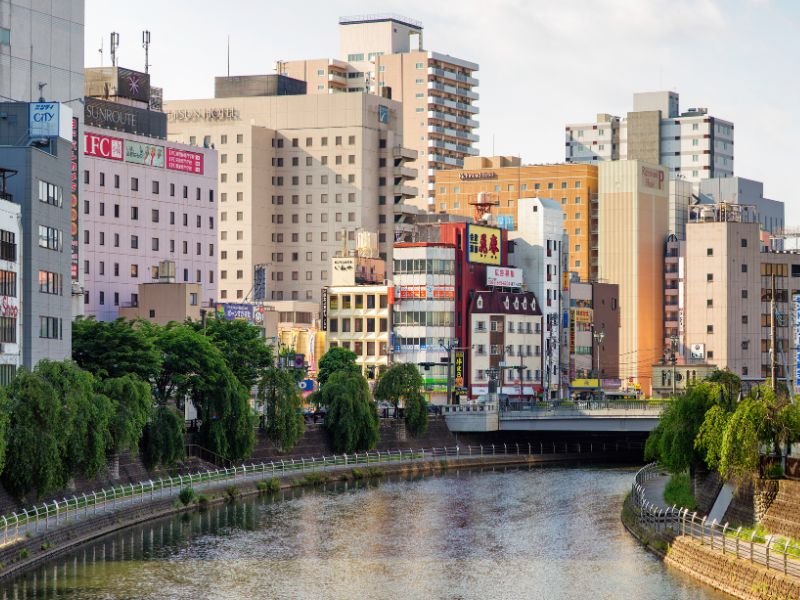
x,y
380,17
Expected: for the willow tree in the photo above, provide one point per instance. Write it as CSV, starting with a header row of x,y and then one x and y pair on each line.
x,y
352,418
279,393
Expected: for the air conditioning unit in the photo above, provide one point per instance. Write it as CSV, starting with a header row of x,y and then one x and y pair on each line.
x,y
697,351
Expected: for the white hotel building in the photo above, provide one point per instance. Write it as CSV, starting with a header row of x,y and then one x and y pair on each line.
x,y
145,200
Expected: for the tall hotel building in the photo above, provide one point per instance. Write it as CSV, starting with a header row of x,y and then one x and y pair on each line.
x,y
143,201
385,55
299,175
691,145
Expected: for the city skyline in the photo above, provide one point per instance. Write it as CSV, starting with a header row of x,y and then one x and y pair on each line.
x,y
657,46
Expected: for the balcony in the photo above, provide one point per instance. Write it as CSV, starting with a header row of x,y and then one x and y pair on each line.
x,y
404,153
468,108
456,133
453,76
442,116
337,80
442,145
407,172
404,190
449,89
447,160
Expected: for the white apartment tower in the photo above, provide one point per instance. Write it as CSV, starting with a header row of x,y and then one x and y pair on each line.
x,y
691,145
384,55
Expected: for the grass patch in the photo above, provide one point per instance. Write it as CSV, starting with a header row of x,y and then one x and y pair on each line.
x,y
269,486
186,496
374,473
357,474
202,502
678,491
760,535
231,493
314,479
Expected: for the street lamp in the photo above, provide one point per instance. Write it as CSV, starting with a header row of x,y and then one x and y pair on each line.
x,y
598,339
448,346
674,339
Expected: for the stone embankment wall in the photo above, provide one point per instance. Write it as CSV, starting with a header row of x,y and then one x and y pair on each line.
x,y
783,515
706,489
737,577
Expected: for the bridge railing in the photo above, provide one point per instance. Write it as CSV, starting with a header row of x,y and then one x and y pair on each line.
x,y
53,513
584,405
773,552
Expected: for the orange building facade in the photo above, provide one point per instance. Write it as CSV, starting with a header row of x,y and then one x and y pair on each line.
x,y
504,180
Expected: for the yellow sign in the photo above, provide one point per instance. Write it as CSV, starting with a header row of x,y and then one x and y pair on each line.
x,y
459,368
581,315
584,383
484,245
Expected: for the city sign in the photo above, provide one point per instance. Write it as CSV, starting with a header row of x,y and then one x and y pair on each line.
x,y
581,315
484,245
185,161
144,154
504,277
43,119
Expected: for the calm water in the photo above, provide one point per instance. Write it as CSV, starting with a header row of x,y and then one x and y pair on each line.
x,y
543,533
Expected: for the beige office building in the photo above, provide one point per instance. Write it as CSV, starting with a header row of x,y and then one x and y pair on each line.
x,y
385,55
633,226
298,176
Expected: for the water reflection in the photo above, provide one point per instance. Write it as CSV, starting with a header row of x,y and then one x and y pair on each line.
x,y
543,533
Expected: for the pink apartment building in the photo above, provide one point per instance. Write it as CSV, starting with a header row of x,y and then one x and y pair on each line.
x,y
144,200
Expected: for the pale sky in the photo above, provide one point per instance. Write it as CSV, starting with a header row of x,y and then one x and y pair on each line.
x,y
543,64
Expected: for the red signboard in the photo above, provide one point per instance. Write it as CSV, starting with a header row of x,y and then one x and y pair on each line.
x,y
185,160
74,201
103,146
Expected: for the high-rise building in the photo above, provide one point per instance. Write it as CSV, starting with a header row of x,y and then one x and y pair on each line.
x,y
633,227
298,177
503,180
594,315
385,55
539,250
746,192
144,201
691,145
10,286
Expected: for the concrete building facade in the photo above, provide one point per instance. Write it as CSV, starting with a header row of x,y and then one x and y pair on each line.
x,y
504,180
594,359
165,301
10,288
539,250
691,145
633,227
385,55
746,192
298,177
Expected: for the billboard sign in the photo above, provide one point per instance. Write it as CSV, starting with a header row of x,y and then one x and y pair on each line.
x,y
144,154
458,361
185,161
232,311
504,277
74,185
111,115
796,299
133,84
484,245
103,146
324,309
43,119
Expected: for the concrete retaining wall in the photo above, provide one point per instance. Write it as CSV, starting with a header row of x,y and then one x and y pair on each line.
x,y
783,515
737,577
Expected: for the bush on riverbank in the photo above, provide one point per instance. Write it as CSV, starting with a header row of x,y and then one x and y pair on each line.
x,y
678,492
186,496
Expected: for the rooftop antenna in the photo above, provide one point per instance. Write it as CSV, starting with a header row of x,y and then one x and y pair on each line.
x,y
100,50
42,85
114,45
146,46
229,55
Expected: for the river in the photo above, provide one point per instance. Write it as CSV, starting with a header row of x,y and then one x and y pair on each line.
x,y
539,533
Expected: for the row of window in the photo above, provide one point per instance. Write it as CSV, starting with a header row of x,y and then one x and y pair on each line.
x,y
8,283
155,215
359,348
523,187
155,243
277,161
309,237
498,350
483,375
295,275
424,318
357,301
155,187
101,270
323,198
421,266
295,218
278,180
368,325
8,245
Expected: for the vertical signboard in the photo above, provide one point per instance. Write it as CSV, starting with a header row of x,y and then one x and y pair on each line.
x,y
796,299
484,245
458,361
74,191
324,309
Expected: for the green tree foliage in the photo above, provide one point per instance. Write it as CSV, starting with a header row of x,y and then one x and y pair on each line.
x,y
730,386
5,410
402,383
241,345
114,348
672,442
133,403
36,444
416,414
162,440
351,418
710,437
336,360
86,416
279,392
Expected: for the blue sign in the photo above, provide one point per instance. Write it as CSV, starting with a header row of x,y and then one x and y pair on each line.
x,y
383,114
44,120
796,299
231,312
307,385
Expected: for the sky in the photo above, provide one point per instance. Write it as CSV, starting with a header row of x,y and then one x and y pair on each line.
x,y
543,64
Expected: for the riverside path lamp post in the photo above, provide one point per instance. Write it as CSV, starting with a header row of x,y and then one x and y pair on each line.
x,y
448,346
598,339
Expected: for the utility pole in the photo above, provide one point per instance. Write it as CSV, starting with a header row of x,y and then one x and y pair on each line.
x,y
448,346
146,46
772,337
598,339
674,341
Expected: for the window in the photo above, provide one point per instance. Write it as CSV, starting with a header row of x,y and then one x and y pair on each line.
x,y
116,182
154,215
134,242
710,303
744,294
134,270
744,242
8,245
5,36
50,328
49,193
8,283
134,184
154,244
709,252
709,329
744,268
134,213
709,277
744,319
155,187
50,238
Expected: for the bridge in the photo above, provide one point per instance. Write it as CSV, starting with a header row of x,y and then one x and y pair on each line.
x,y
589,416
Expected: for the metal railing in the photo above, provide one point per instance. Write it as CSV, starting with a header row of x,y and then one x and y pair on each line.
x,y
583,405
773,552
53,513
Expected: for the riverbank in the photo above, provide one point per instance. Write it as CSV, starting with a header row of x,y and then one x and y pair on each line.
x,y
30,549
709,553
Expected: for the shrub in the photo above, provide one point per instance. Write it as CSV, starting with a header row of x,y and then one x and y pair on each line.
x,y
202,502
678,491
357,474
774,471
374,472
231,493
186,496
314,479
23,554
